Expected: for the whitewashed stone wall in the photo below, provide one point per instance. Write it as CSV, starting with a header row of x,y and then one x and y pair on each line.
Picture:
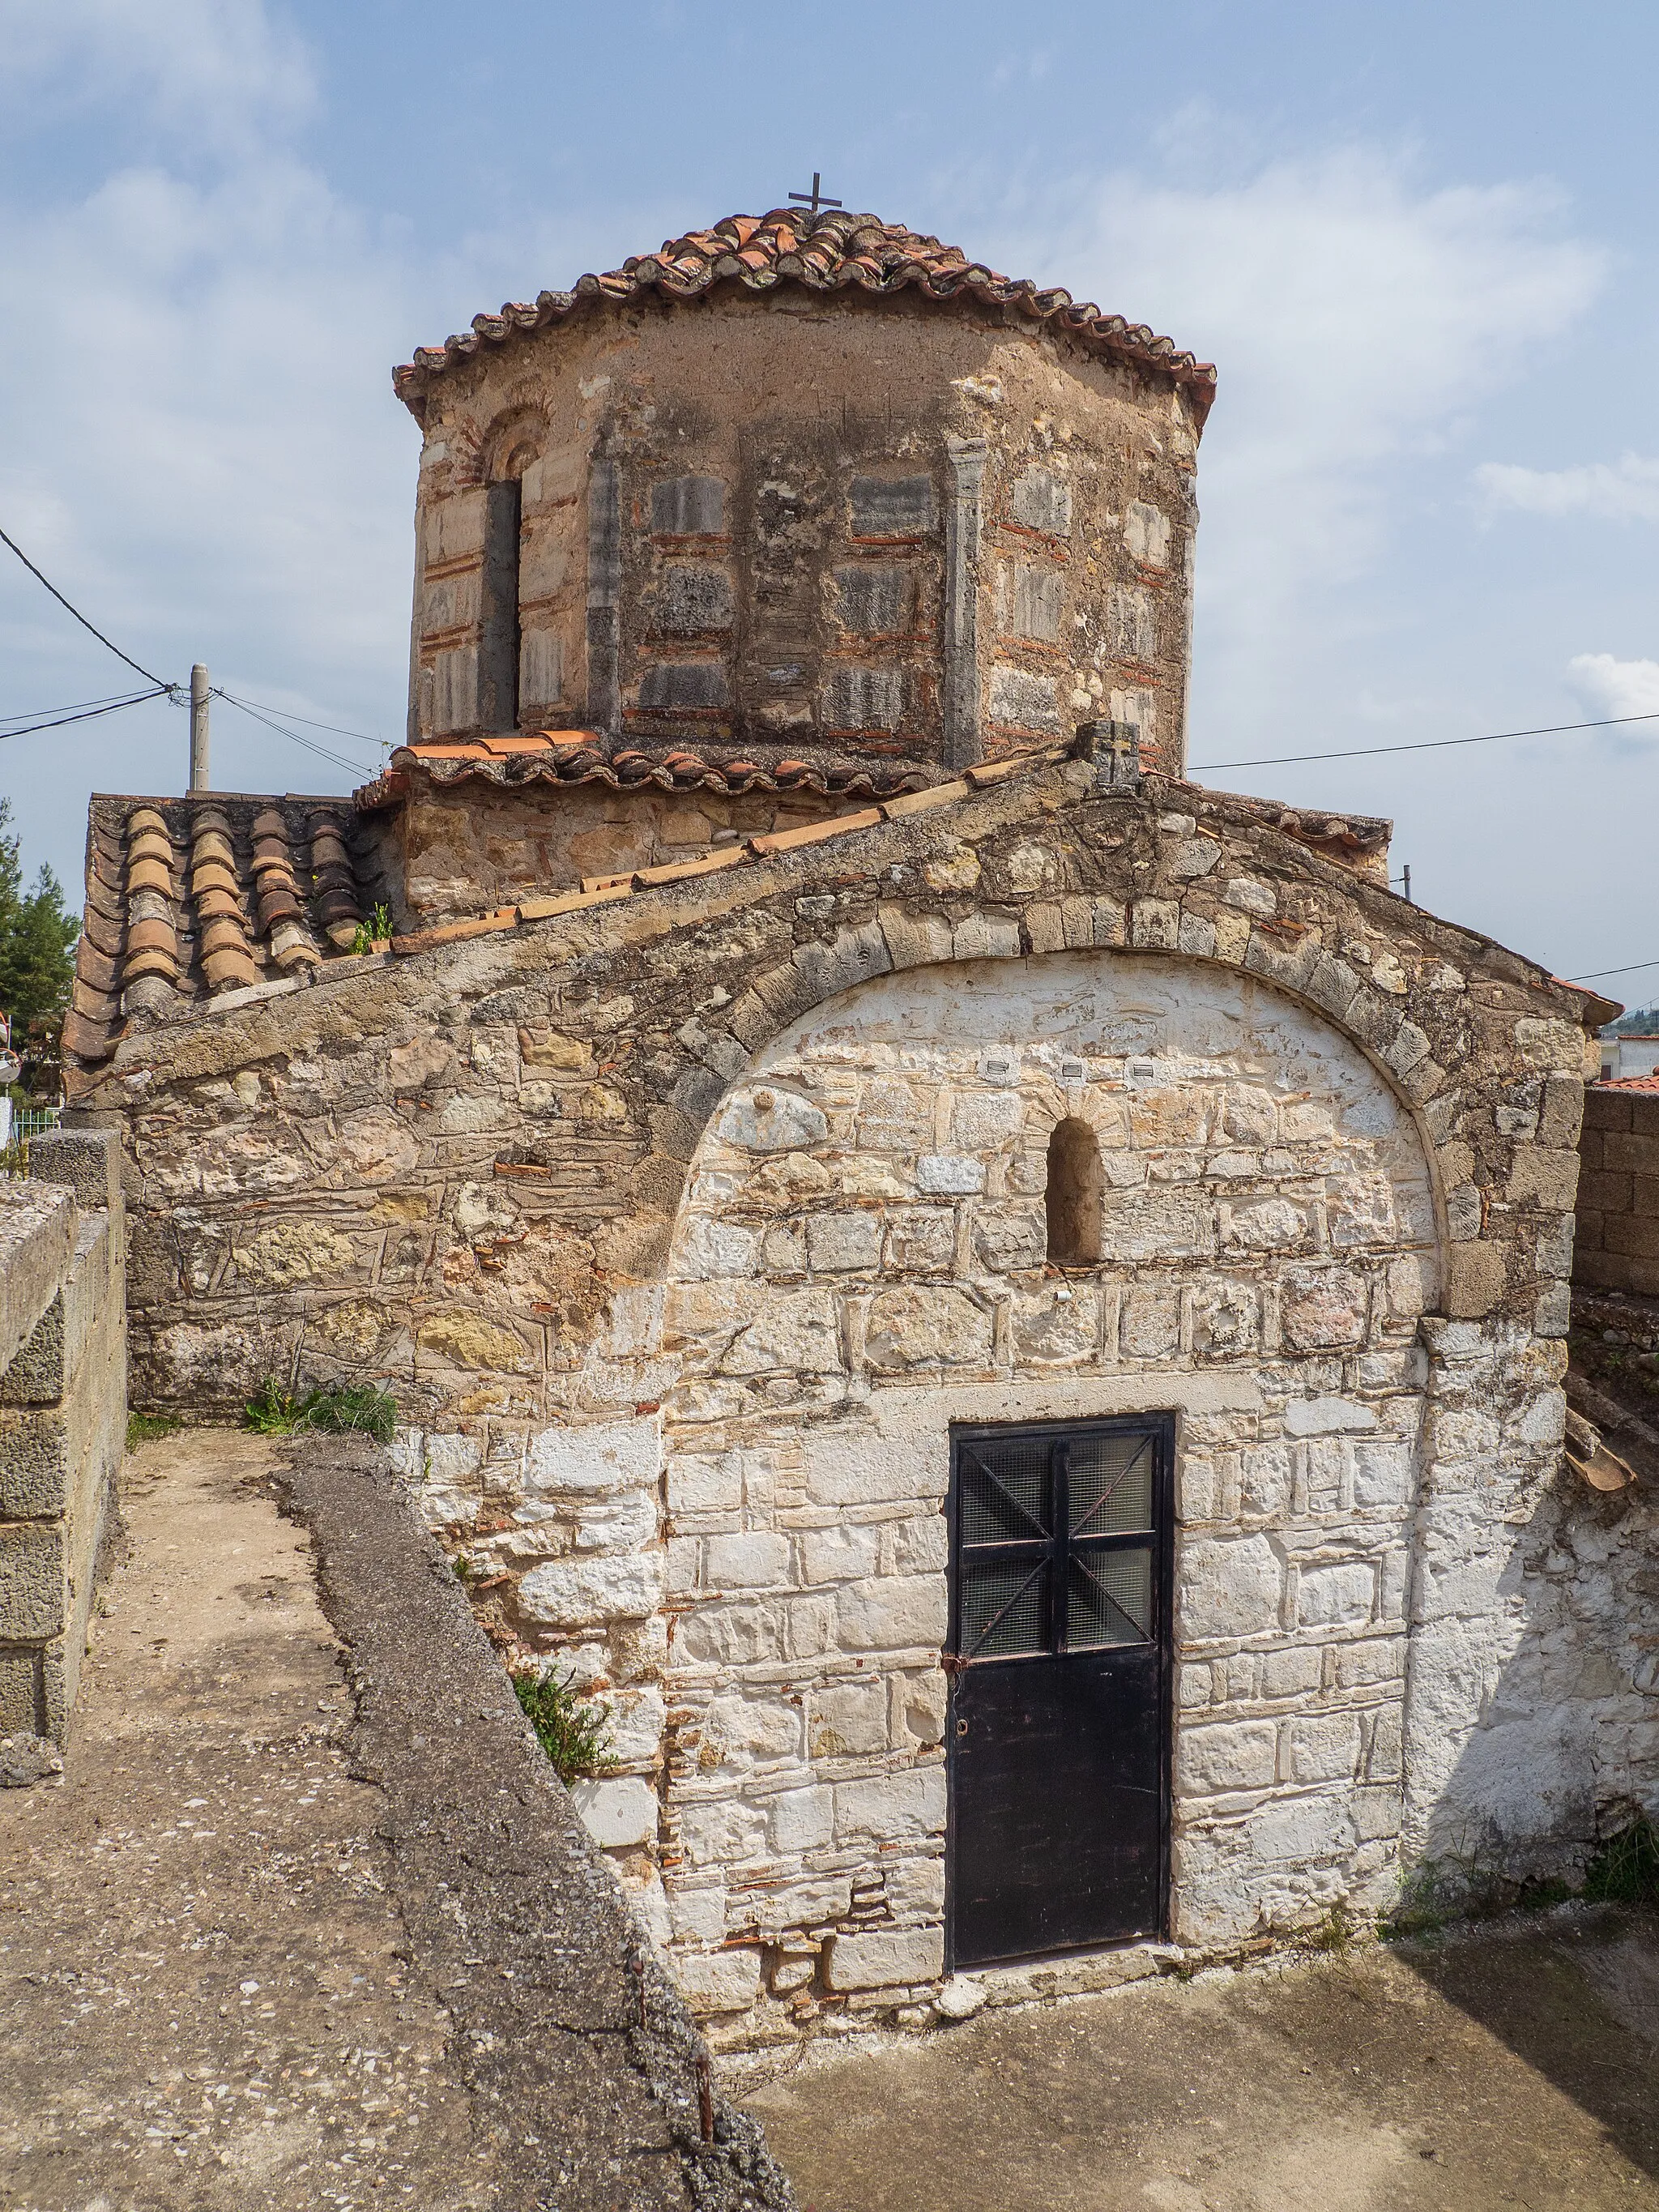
x,y
860,1262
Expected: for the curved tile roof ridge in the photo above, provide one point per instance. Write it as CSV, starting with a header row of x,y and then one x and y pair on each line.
x,y
573,757
837,249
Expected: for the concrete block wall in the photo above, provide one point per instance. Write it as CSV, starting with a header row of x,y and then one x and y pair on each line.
x,y
1617,1244
62,1415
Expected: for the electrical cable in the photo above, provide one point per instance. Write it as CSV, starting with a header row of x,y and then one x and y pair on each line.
x,y
1425,744
322,751
149,675
1596,973
90,714
105,699
257,705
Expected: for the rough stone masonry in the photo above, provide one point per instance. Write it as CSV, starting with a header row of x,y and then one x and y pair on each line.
x,y
63,1426
687,1203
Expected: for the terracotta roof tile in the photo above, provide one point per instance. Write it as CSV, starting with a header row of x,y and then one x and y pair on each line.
x,y
188,899
571,756
841,249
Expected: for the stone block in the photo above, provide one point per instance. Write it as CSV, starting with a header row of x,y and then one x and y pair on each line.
x,y
914,940
1302,1830
591,1460
796,1333
892,1613
1340,1594
713,1982
21,1705
1539,1177
1324,1747
885,1958
733,1635
841,1554
1162,1224
920,1238
1228,1587
87,1160
750,1559
765,1119
843,1242
617,1811
581,1592
1322,1308
33,1587
1155,924
1475,1275
1010,1239
887,1808
847,1719
705,1486
1324,1417
949,1174
1226,1756
916,1329
37,1246
800,1819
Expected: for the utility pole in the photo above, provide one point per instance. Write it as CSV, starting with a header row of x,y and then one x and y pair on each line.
x,y
199,728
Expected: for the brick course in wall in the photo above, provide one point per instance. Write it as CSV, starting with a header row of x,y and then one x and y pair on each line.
x,y
1617,1242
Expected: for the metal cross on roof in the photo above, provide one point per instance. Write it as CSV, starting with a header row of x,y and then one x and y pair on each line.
x,y
815,198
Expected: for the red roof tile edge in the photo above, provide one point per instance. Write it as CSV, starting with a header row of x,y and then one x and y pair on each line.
x,y
577,757
838,249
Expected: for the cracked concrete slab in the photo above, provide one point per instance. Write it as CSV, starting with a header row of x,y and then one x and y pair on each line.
x,y
1512,2067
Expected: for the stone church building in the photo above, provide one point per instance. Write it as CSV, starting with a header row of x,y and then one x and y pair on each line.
x,y
1006,1310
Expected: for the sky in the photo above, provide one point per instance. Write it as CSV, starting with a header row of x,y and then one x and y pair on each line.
x,y
1417,240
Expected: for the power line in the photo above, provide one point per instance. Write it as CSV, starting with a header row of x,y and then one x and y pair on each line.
x,y
89,714
149,677
1596,973
257,704
322,751
105,699
1425,744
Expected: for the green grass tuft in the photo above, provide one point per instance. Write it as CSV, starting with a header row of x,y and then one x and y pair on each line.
x,y
375,930
146,1428
1625,1870
275,1409
575,1734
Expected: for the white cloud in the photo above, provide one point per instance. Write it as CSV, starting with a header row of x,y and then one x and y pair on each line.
x,y
208,70
1357,317
1626,491
1615,688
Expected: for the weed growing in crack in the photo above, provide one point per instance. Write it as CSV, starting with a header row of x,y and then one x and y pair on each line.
x,y
1625,1870
146,1428
275,1409
574,1733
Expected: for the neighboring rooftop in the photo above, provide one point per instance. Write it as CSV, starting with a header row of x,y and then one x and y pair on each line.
x,y
832,250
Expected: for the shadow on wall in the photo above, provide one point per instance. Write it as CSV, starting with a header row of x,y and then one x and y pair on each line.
x,y
1534,1664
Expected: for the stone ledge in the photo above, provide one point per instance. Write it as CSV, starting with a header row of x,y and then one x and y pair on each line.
x,y
514,1918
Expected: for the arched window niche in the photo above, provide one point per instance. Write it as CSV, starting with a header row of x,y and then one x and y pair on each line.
x,y
499,642
1072,1198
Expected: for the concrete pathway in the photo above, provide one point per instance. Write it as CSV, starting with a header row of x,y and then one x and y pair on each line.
x,y
203,1997
316,1927
1517,2068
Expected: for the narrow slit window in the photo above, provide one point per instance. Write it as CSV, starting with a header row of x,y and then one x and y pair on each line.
x,y
498,648
1076,1182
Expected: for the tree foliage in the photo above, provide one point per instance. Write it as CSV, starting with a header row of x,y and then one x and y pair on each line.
x,y
37,958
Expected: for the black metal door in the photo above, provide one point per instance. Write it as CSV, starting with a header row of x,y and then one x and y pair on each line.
x,y
1061,1570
